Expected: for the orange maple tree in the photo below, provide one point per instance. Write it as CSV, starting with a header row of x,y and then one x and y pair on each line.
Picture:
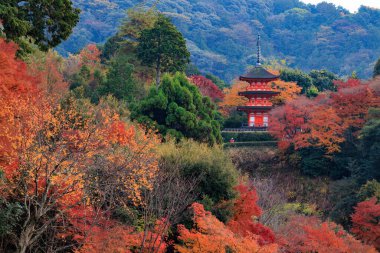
x,y
231,97
288,91
304,123
211,235
366,222
309,234
90,56
50,152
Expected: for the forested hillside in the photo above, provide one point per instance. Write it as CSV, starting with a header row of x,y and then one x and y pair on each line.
x,y
125,147
221,34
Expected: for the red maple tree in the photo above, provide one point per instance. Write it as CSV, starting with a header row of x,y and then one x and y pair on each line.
x,y
366,222
246,214
207,88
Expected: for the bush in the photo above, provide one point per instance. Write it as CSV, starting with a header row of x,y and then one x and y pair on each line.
x,y
211,166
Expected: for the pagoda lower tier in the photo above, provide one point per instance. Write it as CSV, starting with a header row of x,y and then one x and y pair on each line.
x,y
258,106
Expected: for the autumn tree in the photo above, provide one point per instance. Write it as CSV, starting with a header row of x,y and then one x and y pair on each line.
x,y
309,234
232,99
352,101
49,150
246,215
306,123
163,47
210,235
207,87
365,222
288,91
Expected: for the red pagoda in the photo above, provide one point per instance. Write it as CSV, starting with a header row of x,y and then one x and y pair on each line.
x,y
258,93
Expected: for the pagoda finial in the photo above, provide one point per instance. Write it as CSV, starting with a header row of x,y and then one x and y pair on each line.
x,y
258,63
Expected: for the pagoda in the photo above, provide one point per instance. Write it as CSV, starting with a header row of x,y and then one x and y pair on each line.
x,y
259,94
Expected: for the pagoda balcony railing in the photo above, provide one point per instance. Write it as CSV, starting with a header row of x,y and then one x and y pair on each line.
x,y
246,128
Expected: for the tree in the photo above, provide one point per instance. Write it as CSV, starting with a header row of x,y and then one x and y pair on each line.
x,y
288,91
46,22
120,82
138,20
163,47
218,82
207,87
365,222
309,234
369,146
210,235
376,70
246,214
232,98
54,156
323,79
302,79
214,171
177,108
352,102
306,123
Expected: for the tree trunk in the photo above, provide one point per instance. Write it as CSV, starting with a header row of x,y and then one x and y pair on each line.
x,y
25,238
158,72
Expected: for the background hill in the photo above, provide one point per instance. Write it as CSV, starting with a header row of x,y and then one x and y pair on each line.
x,y
221,34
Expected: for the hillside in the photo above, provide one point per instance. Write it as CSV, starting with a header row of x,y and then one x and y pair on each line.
x,y
221,34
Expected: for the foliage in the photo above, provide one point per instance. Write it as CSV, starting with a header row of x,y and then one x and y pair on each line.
x,y
323,121
218,82
137,21
111,47
246,212
217,175
207,88
323,79
294,75
288,91
49,149
306,36
120,82
365,222
369,190
306,123
232,98
376,69
210,235
46,22
178,109
308,234
163,47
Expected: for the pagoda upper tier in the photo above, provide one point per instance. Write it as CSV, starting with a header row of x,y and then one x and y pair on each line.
x,y
258,74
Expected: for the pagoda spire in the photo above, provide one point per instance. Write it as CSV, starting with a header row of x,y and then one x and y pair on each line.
x,y
258,63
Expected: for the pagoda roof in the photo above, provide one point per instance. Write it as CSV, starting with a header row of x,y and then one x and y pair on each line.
x,y
258,92
259,73
254,107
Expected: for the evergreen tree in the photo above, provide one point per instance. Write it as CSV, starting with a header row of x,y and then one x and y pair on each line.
x,y
295,75
376,70
46,22
177,108
163,47
120,82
